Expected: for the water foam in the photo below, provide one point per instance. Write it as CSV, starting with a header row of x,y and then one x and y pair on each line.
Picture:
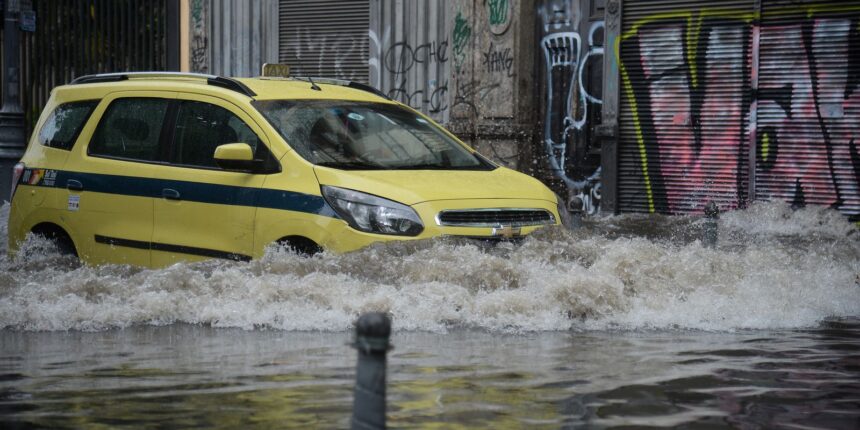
x,y
774,268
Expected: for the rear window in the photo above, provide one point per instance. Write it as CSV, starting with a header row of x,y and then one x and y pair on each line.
x,y
131,129
62,128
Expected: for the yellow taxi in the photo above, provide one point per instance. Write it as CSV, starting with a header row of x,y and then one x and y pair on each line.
x,y
153,168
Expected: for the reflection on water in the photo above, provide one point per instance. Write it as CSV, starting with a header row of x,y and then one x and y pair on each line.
x,y
627,322
197,376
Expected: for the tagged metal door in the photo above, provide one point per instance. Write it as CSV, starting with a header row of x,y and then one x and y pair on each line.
x,y
685,103
327,38
808,117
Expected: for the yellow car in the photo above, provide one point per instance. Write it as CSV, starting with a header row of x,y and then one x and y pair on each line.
x,y
153,168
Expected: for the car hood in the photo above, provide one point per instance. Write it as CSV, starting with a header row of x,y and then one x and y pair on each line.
x,y
417,186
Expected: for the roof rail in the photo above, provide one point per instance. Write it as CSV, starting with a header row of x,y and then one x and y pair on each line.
x,y
218,81
344,83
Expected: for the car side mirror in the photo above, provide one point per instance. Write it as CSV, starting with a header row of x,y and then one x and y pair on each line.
x,y
237,156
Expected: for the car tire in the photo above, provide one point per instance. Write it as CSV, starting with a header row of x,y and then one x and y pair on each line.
x,y
300,245
55,234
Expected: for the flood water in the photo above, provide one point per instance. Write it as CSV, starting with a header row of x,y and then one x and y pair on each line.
x,y
627,322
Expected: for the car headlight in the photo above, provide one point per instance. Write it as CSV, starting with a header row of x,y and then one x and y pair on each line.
x,y
372,214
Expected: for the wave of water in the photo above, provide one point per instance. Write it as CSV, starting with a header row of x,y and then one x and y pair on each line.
x,y
773,268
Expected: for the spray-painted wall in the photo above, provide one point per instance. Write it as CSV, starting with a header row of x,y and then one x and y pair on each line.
x,y
409,54
521,81
742,100
469,64
735,104
458,63
571,44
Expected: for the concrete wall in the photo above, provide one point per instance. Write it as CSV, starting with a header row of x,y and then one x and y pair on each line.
x,y
458,63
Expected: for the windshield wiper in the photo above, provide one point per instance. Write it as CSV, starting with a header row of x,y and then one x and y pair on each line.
x,y
428,166
351,165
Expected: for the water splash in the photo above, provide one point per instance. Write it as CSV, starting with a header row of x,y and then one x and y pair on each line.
x,y
774,268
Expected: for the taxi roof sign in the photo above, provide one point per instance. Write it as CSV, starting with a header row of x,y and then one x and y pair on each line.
x,y
276,70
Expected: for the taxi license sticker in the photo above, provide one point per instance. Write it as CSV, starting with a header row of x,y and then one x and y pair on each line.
x,y
74,202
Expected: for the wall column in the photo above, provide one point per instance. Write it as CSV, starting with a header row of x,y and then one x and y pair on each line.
x,y
608,129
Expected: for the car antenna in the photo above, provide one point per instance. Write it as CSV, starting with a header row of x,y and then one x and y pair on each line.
x,y
314,86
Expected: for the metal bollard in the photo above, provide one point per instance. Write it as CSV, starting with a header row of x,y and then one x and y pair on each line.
x,y
574,207
709,229
372,332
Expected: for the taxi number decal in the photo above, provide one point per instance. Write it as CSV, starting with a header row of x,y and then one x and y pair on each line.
x,y
74,202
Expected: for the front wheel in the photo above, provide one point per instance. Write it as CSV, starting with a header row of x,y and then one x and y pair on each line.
x,y
300,245
61,239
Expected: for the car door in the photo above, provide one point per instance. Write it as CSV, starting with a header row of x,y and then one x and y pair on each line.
x,y
110,181
205,211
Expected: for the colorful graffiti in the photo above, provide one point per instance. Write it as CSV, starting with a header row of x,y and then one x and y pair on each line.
x,y
498,11
498,15
461,35
706,88
573,95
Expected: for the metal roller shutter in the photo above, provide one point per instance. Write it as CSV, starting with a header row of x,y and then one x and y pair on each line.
x,y
807,138
327,38
685,100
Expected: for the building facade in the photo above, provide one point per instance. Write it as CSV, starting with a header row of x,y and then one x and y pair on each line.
x,y
632,105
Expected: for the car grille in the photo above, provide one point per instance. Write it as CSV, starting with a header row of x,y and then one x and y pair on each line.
x,y
494,217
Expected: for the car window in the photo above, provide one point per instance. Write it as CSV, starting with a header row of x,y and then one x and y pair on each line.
x,y
202,127
358,135
62,128
131,128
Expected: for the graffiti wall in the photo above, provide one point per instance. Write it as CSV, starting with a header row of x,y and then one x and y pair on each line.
x,y
485,65
410,54
731,105
571,45
457,62
726,101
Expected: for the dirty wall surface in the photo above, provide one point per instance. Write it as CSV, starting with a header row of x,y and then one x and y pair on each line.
x,y
729,102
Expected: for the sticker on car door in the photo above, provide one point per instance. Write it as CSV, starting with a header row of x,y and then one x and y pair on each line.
x,y
74,202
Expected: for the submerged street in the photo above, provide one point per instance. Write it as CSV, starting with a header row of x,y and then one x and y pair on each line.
x,y
556,184
188,376
628,321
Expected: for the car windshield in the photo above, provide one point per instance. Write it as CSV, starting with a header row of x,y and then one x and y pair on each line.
x,y
365,136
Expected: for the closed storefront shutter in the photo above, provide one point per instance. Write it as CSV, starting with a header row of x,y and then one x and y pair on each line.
x,y
809,105
326,38
685,104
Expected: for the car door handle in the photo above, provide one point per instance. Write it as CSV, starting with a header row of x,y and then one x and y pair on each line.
x,y
74,185
170,194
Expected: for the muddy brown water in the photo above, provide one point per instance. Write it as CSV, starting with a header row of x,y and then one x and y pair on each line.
x,y
627,322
